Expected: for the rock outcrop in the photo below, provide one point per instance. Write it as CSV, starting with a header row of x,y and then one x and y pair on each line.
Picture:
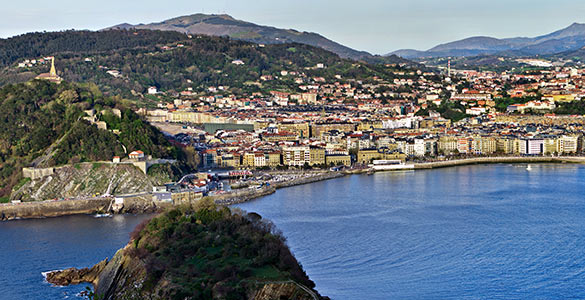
x,y
253,263
77,276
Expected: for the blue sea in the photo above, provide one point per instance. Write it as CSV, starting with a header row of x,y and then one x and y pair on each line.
x,y
30,247
471,232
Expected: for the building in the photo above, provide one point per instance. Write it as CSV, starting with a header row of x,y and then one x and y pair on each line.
x,y
464,145
338,160
567,144
471,96
152,90
365,156
317,156
273,159
447,145
281,136
296,155
531,106
259,160
136,155
531,146
52,75
318,129
301,129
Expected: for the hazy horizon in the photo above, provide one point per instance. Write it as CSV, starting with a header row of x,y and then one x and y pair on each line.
x,y
375,26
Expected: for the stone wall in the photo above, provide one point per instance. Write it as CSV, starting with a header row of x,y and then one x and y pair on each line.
x,y
37,173
28,210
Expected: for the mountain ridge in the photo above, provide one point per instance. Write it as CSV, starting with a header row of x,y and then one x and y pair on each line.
x,y
226,25
567,39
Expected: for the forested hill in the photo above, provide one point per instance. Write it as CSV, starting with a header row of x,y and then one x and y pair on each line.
x,y
34,45
205,252
43,123
174,62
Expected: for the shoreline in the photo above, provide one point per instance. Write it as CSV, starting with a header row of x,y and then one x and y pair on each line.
x,y
141,204
498,160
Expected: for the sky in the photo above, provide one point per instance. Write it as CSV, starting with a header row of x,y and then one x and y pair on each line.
x,y
376,26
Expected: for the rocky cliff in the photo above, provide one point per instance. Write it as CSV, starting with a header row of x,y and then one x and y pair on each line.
x,y
202,252
86,180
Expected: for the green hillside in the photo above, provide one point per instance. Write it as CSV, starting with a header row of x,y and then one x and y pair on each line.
x,y
206,252
42,124
174,62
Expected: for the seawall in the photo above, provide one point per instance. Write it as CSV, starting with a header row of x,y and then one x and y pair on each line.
x,y
43,209
46,209
250,194
498,160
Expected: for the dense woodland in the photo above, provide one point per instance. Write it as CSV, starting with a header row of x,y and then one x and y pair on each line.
x,y
201,61
34,45
204,251
41,124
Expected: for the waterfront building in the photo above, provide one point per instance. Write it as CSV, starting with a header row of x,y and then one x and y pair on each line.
x,y
317,156
531,146
296,155
568,144
273,159
447,145
365,156
338,159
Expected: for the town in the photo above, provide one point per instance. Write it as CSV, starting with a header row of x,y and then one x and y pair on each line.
x,y
419,116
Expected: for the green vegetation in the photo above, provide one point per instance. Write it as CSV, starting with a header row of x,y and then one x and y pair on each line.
x,y
453,111
4,199
202,250
37,44
570,108
503,102
22,182
152,58
41,123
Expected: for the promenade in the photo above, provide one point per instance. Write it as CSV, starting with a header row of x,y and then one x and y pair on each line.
x,y
501,159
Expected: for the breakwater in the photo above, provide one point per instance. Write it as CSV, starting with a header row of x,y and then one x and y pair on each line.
x,y
250,194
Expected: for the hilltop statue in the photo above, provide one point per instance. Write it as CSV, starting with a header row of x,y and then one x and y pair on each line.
x,y
52,75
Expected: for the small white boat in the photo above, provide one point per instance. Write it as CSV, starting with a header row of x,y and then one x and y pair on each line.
x,y
529,168
103,216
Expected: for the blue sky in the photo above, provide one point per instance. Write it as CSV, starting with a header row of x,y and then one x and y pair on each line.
x,y
376,26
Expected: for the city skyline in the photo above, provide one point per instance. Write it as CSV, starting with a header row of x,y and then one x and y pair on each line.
x,y
375,26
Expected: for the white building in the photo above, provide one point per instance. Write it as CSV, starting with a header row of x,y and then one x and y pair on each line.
x,y
531,146
152,90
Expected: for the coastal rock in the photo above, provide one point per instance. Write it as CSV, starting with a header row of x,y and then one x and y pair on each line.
x,y
157,265
289,290
77,276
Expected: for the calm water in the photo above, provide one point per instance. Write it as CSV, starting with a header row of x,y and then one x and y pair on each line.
x,y
475,232
29,247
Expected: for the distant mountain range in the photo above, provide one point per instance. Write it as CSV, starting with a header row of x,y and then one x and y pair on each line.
x,y
568,39
225,25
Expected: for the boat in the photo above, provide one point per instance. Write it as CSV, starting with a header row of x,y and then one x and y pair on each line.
x,y
103,216
528,168
390,165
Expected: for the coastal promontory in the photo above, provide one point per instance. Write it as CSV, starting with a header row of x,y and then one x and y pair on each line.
x,y
198,252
